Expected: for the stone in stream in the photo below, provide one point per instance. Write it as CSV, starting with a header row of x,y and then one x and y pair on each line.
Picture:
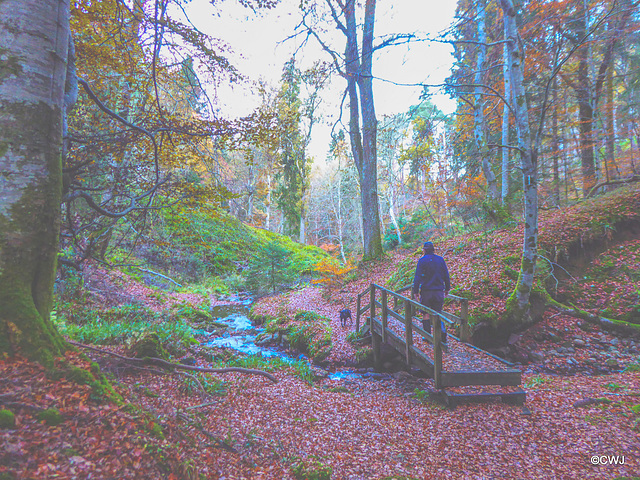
x,y
612,362
537,356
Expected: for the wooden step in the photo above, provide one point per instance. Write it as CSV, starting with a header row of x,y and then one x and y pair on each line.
x,y
452,399
511,377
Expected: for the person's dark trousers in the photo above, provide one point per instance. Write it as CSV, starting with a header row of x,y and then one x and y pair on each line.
x,y
434,299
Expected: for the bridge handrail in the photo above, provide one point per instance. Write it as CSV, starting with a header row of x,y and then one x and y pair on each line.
x,y
451,296
410,307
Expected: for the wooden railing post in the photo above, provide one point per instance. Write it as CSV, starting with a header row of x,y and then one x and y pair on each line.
x,y
408,331
465,334
358,314
372,301
437,349
384,315
375,338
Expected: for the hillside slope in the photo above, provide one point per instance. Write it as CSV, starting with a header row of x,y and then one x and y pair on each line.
x,y
588,257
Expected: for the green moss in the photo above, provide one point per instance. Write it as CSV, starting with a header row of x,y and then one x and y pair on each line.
x,y
155,429
403,275
511,273
307,332
339,389
102,391
79,376
9,66
70,452
31,222
311,469
633,368
51,417
497,212
7,419
193,314
514,315
149,346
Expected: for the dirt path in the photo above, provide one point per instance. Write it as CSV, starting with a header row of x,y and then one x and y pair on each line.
x,y
311,299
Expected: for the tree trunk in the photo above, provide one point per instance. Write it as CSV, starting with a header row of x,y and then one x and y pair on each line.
x,y
303,233
338,213
363,144
34,35
555,146
506,171
518,303
392,212
268,206
585,107
610,161
478,107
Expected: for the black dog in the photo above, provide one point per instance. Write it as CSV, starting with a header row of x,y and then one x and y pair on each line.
x,y
345,315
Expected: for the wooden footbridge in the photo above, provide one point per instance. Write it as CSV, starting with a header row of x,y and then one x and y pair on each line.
x,y
463,372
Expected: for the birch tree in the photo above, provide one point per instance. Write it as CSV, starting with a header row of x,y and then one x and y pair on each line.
x,y
506,170
478,106
518,303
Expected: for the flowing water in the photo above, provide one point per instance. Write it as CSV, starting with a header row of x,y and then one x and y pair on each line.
x,y
241,335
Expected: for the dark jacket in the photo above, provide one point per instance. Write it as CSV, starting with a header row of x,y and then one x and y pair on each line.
x,y
431,274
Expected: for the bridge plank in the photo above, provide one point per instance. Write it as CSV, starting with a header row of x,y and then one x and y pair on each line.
x,y
452,399
490,369
465,378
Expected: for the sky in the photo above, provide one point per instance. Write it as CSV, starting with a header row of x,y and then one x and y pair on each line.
x,y
259,50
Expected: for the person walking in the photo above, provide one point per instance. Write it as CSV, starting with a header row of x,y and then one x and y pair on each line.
x,y
431,281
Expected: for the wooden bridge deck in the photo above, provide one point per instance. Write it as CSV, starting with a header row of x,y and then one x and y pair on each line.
x,y
455,363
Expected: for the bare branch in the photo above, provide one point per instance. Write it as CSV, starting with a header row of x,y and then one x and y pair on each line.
x,y
165,364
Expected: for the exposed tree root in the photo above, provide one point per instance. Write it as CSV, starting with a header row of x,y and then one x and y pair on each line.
x,y
619,326
595,188
218,443
163,363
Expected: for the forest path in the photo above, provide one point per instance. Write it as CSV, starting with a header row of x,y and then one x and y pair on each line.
x,y
311,298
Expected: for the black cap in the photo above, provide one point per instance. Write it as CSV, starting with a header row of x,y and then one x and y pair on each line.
x,y
428,246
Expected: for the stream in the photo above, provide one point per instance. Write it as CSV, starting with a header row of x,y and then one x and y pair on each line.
x,y
241,335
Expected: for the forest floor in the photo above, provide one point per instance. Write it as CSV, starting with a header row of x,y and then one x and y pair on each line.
x,y
581,419
366,427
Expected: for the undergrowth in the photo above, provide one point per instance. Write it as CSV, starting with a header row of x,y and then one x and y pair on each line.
x,y
299,368
120,325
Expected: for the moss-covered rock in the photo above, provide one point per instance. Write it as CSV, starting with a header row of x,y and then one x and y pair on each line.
x,y
79,375
307,332
149,345
7,419
51,417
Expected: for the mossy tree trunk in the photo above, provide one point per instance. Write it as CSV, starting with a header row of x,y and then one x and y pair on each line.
x,y
34,42
518,305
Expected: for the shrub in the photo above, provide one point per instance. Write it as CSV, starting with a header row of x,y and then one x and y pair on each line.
x,y
331,273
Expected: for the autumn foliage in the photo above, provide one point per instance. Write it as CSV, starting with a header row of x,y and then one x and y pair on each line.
x,y
332,274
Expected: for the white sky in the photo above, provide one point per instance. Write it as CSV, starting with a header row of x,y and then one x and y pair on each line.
x,y
257,40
